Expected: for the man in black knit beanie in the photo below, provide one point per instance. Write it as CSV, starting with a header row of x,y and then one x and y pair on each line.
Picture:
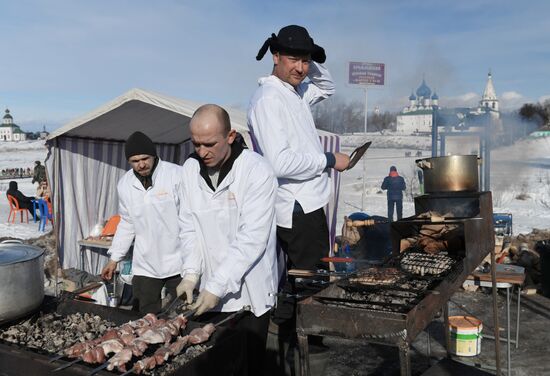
x,y
148,196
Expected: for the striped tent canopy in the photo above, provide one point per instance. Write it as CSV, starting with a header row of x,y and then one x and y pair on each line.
x,y
86,159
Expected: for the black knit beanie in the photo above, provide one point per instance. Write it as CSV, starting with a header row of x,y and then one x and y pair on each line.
x,y
138,143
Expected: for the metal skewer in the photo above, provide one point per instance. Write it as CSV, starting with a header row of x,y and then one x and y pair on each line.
x,y
170,306
67,365
56,358
96,370
233,315
131,370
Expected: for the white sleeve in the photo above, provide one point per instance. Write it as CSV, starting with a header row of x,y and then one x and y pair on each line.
x,y
192,261
256,218
125,233
321,85
267,119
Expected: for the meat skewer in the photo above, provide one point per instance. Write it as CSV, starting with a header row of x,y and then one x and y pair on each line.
x,y
160,331
121,338
195,337
80,347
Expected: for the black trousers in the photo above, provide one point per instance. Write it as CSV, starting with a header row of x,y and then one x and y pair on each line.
x,y
147,292
307,241
304,245
398,207
255,329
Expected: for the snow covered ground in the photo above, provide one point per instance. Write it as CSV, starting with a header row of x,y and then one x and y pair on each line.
x,y
520,179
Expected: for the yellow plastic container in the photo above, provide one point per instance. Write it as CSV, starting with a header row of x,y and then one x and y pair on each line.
x,y
465,334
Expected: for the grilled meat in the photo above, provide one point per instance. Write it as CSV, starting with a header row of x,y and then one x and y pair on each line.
x,y
120,359
201,335
377,276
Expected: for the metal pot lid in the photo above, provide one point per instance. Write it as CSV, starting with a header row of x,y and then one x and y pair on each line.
x,y
14,253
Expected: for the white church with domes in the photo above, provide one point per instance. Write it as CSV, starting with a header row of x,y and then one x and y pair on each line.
x,y
417,116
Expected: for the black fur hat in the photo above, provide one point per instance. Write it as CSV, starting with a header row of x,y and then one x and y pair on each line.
x,y
293,39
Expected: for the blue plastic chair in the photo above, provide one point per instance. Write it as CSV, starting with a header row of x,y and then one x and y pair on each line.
x,y
45,214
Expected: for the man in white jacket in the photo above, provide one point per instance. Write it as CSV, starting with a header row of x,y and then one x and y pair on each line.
x,y
282,127
228,228
148,201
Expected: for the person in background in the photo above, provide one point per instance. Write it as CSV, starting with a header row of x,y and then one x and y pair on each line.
x,y
228,229
43,190
395,185
24,201
39,173
148,201
283,131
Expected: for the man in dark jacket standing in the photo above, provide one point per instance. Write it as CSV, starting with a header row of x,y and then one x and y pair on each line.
x,y
395,185
39,174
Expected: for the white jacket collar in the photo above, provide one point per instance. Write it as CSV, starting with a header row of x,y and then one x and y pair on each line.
x,y
277,81
137,184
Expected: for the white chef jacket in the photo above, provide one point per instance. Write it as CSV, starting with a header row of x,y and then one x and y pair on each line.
x,y
151,217
283,131
229,234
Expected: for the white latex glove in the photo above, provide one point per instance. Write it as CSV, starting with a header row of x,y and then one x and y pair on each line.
x,y
205,302
186,286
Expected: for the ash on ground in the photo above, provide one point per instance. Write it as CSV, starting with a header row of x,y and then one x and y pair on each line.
x,y
54,333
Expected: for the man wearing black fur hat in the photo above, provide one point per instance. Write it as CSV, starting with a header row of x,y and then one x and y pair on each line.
x,y
283,130
148,200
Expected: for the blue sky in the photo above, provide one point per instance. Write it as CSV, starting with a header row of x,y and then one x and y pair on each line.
x,y
61,59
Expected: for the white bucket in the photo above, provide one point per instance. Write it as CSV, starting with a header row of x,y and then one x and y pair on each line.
x,y
465,334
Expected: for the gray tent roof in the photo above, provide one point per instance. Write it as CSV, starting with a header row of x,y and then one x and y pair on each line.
x,y
165,119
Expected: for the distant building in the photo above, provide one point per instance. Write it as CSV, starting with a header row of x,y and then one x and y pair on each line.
x,y
44,133
489,101
9,131
486,113
417,116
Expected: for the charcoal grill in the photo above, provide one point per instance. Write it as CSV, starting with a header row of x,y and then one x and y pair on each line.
x,y
395,315
226,356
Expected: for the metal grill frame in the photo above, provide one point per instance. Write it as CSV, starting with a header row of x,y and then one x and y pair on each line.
x,y
398,329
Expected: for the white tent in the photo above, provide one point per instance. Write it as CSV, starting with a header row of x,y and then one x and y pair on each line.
x,y
86,160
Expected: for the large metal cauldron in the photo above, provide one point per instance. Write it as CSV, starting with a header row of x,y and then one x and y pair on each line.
x,y
454,173
21,280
